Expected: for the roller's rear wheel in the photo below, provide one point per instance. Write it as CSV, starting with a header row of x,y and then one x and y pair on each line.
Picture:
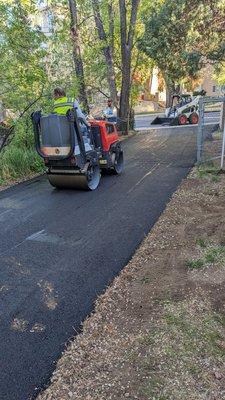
x,y
118,163
88,181
93,177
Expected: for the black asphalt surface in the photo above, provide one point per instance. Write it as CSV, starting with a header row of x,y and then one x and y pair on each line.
x,y
60,249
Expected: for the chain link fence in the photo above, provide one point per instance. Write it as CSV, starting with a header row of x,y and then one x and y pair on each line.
x,y
210,130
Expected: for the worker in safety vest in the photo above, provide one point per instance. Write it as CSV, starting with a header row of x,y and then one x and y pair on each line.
x,y
62,104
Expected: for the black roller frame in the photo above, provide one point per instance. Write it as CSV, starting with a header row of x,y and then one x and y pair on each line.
x,y
74,124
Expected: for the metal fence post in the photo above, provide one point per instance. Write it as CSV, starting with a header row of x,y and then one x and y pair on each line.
x,y
223,149
200,130
222,116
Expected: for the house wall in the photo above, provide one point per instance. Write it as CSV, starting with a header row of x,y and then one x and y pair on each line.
x,y
154,88
208,83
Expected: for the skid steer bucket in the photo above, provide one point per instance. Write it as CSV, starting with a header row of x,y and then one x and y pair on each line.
x,y
164,121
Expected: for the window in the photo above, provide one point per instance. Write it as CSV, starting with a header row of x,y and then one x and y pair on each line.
x,y
214,89
110,128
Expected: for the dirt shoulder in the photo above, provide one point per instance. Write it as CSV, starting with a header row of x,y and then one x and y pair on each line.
x,y
13,182
158,332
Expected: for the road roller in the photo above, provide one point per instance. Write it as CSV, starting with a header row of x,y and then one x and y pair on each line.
x,y
75,155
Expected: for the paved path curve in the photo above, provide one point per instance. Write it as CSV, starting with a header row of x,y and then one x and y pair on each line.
x,y
60,249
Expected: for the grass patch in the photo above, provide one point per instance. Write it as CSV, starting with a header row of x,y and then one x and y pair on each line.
x,y
207,170
211,256
215,178
214,254
145,280
188,333
195,264
201,242
153,387
218,135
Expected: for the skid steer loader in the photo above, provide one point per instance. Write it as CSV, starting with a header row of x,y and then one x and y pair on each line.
x,y
183,111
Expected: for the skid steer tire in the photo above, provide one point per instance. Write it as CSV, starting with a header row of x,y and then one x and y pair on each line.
x,y
182,119
194,118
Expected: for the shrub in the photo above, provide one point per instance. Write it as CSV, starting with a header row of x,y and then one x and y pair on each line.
x,y
23,133
19,158
18,162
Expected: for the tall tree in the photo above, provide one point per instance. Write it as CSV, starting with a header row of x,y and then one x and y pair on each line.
x,y
79,68
182,39
127,31
209,30
166,41
107,48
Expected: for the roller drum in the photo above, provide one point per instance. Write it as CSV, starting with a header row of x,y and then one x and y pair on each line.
x,y
80,181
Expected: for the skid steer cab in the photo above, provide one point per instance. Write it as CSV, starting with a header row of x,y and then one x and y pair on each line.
x,y
74,155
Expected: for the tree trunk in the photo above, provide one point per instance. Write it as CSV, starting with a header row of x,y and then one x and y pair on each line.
x,y
111,16
78,63
127,38
148,85
170,90
107,50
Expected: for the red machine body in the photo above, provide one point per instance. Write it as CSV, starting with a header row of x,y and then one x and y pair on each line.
x,y
108,132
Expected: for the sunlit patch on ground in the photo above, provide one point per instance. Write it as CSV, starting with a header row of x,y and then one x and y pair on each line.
x,y
19,324
49,298
37,327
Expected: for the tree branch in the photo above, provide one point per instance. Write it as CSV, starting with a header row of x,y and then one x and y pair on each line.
x,y
30,105
99,90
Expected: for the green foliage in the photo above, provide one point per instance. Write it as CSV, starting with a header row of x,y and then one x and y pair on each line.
x,y
220,73
206,170
24,137
22,69
20,158
181,37
16,162
208,31
166,39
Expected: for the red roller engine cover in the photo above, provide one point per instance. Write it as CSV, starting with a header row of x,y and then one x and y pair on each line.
x,y
109,133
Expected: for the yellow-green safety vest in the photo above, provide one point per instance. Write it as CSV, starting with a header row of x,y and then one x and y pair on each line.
x,y
62,105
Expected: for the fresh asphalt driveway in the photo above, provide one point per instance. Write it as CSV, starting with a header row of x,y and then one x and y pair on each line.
x,y
60,249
